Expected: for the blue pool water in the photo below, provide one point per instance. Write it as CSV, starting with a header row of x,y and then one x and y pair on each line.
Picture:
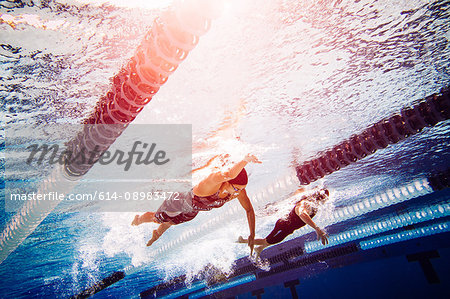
x,y
295,78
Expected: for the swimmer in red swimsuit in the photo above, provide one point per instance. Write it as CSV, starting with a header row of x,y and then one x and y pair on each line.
x,y
212,192
303,212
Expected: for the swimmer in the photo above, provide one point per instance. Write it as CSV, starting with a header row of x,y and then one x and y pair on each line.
x,y
212,192
303,212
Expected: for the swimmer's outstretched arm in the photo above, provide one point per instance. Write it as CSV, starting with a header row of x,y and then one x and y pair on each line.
x,y
233,172
301,210
248,207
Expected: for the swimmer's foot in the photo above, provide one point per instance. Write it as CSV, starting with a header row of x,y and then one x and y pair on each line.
x,y
136,220
155,237
241,240
144,218
258,251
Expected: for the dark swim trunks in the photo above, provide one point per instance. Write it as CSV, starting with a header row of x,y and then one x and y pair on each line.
x,y
286,226
176,209
187,207
177,219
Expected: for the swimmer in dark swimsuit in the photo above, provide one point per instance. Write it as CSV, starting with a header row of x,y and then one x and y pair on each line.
x,y
303,212
212,192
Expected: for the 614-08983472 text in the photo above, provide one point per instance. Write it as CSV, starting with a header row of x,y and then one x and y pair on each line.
x,y
103,196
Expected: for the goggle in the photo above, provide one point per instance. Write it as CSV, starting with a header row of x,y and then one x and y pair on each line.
x,y
235,189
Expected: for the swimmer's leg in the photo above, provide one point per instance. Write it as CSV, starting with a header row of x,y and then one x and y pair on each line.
x,y
259,249
257,241
158,232
146,217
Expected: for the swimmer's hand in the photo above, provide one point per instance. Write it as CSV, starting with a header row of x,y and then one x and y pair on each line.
x,y
322,236
251,243
251,158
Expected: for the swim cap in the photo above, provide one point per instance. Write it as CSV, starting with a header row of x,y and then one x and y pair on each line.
x,y
241,179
